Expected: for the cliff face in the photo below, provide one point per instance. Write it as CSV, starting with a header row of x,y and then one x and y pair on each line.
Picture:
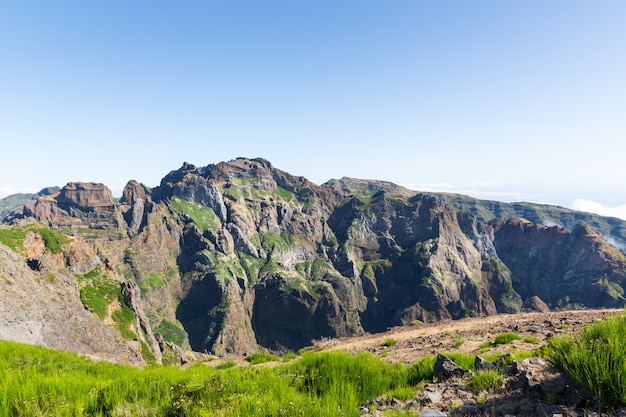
x,y
564,269
233,256
40,304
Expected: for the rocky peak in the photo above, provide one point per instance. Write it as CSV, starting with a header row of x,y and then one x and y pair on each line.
x,y
87,196
354,186
77,204
134,191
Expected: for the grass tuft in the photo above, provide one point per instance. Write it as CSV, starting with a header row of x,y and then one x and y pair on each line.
x,y
506,337
595,358
261,356
390,342
486,380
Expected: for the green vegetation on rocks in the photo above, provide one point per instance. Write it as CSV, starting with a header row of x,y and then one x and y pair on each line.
x,y
172,332
204,217
98,292
14,238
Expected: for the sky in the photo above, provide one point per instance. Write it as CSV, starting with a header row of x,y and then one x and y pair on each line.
x,y
503,100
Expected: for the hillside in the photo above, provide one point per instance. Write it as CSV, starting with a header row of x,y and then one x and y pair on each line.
x,y
612,229
234,256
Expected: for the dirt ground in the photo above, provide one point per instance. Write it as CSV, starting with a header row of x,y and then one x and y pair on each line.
x,y
470,335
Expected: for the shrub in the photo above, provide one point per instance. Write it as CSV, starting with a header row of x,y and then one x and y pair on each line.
x,y
506,337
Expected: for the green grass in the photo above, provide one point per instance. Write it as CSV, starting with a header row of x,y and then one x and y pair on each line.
x,y
97,292
204,217
172,332
54,241
531,339
506,337
261,356
390,342
153,281
595,358
226,365
283,194
486,380
421,370
35,381
14,238
40,382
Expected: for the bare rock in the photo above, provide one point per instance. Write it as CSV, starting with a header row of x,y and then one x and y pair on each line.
x,y
535,303
445,368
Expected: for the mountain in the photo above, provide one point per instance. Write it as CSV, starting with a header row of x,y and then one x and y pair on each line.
x,y
14,203
236,255
612,229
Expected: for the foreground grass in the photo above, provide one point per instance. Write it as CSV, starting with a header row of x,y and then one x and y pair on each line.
x,y
595,358
35,381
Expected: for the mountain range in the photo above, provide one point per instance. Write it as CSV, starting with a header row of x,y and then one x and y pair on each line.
x,y
238,255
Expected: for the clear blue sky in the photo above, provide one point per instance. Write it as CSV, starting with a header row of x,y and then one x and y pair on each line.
x,y
507,100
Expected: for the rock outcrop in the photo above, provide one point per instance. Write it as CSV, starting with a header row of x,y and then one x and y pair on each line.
x,y
77,205
564,269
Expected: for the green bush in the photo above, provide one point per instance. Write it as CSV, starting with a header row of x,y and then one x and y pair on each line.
x,y
595,358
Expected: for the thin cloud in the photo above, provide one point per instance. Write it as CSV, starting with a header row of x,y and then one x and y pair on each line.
x,y
598,208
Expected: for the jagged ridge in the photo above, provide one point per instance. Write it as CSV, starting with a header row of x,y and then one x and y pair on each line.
x,y
240,254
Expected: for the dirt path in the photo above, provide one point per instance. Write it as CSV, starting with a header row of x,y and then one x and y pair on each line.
x,y
471,335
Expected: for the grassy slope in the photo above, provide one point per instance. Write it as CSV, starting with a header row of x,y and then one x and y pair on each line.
x,y
35,381
38,381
